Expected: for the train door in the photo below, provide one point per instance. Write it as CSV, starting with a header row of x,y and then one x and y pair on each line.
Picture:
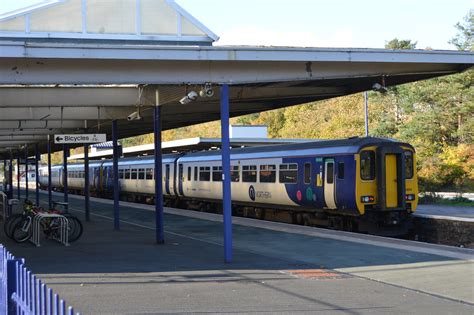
x,y
167,179
180,179
329,184
391,184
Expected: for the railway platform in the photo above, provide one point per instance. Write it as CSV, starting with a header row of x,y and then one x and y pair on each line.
x,y
277,268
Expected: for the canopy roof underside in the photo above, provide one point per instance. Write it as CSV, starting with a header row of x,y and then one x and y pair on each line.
x,y
52,88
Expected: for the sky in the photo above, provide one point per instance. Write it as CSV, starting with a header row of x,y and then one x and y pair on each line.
x,y
323,23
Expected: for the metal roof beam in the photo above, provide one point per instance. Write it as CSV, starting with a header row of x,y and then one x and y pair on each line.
x,y
64,113
23,138
44,124
51,96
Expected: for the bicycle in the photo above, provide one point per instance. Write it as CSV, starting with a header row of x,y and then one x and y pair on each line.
x,y
11,221
22,229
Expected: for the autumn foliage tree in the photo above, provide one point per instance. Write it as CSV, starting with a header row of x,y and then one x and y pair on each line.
x,y
436,116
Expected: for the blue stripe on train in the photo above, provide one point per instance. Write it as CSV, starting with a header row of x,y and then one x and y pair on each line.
x,y
310,195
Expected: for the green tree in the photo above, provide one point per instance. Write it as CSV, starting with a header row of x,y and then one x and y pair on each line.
x,y
464,40
400,44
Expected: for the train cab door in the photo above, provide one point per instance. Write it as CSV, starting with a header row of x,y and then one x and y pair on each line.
x,y
329,184
391,189
167,179
391,174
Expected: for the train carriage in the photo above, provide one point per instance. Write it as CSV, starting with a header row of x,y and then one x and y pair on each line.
x,y
369,184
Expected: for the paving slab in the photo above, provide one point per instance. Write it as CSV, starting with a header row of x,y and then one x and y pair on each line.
x,y
274,271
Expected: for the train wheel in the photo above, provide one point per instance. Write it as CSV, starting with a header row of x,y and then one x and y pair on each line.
x,y
259,213
298,219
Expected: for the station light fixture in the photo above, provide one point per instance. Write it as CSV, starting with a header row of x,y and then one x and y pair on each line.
x,y
377,87
206,91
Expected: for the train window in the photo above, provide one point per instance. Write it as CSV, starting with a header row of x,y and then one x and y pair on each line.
x,y
141,173
234,173
195,173
340,170
134,173
330,173
307,173
121,174
249,173
167,172
367,165
127,174
408,164
189,173
288,173
204,173
217,173
267,173
149,173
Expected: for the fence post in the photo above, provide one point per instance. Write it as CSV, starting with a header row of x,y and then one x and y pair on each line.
x,y
12,280
3,283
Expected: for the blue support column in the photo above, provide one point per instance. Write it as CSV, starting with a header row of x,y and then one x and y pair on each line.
x,y
226,194
65,177
18,174
10,177
160,239
115,176
26,173
50,194
37,159
86,182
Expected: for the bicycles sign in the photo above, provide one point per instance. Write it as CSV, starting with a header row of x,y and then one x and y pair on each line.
x,y
80,138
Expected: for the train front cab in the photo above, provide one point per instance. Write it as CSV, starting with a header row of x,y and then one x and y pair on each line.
x,y
386,188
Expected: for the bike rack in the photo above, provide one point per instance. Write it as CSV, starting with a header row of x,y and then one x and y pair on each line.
x,y
7,205
63,228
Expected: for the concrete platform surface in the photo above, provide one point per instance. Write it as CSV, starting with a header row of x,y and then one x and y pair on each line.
x,y
446,211
277,268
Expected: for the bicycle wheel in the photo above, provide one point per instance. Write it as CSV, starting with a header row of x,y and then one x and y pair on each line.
x,y
22,230
10,224
75,228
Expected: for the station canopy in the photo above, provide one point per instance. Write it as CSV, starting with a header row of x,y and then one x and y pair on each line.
x,y
73,66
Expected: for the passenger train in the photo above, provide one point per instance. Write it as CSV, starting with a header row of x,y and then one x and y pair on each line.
x,y
364,184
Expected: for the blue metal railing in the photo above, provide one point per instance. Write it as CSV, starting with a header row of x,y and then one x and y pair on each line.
x,y
22,293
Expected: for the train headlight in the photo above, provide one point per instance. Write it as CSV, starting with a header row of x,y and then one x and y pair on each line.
x,y
410,197
367,199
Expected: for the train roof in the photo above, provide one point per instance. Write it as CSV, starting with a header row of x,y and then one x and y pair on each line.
x,y
324,147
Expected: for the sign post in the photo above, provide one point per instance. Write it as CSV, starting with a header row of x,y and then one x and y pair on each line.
x,y
80,138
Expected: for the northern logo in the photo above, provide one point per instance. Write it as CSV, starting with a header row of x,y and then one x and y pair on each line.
x,y
252,193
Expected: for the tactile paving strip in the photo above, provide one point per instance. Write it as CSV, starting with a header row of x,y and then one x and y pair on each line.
x,y
316,274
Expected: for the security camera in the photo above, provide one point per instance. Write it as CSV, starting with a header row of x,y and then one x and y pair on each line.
x,y
207,91
379,88
134,116
191,96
